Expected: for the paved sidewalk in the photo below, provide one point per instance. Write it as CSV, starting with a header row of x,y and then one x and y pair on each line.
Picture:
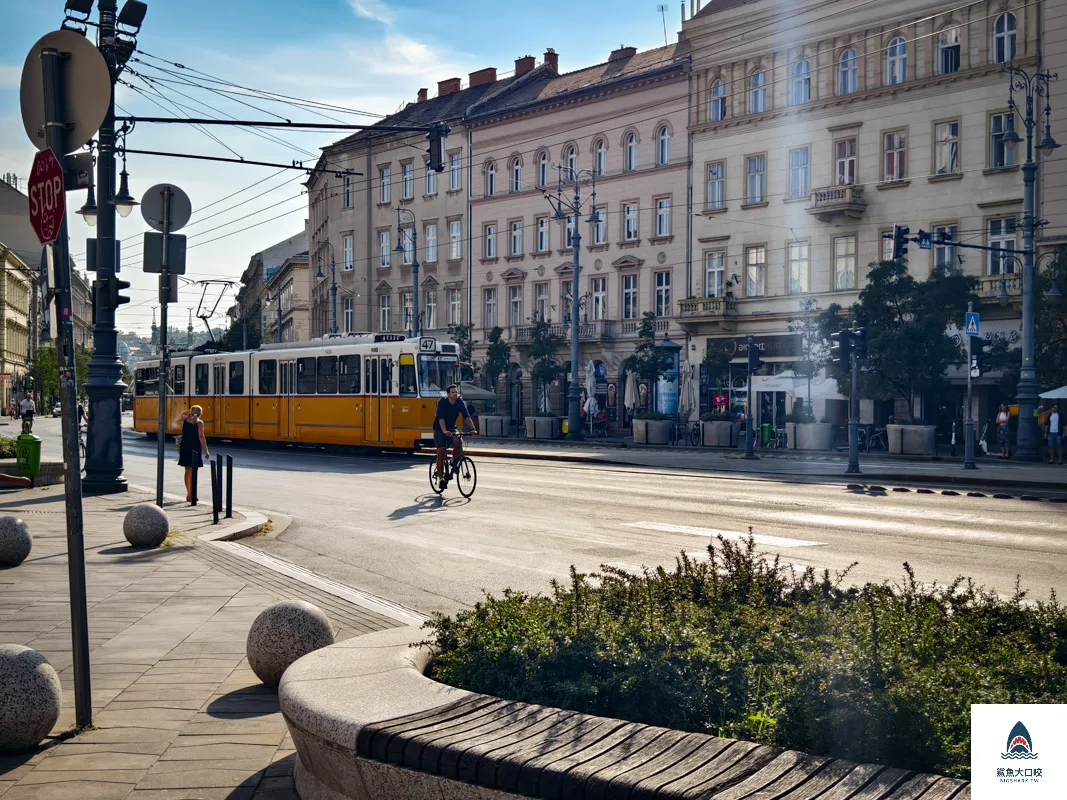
x,y
177,711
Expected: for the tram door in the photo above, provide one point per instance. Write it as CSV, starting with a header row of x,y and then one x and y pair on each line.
x,y
372,408
286,399
386,400
218,414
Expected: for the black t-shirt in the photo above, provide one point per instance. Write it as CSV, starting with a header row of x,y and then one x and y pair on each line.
x,y
449,412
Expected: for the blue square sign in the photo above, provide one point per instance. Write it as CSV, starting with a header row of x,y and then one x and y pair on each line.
x,y
970,326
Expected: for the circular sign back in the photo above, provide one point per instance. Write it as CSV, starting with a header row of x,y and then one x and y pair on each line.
x,y
86,89
179,206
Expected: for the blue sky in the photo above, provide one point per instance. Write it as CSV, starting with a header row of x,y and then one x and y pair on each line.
x,y
371,55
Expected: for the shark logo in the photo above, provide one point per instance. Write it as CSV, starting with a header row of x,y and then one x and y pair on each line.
x,y
1020,745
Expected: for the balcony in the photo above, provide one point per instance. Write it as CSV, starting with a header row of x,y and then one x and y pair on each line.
x,y
989,289
598,331
705,309
837,201
630,327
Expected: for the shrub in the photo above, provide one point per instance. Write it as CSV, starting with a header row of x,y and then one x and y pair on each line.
x,y
7,447
652,416
740,646
718,416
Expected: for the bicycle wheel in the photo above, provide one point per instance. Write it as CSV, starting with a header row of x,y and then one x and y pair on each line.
x,y
466,477
694,435
435,480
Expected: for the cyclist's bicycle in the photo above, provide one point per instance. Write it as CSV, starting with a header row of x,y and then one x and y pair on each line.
x,y
462,469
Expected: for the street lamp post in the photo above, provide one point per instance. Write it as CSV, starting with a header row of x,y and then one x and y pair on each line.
x,y
333,283
414,264
1032,86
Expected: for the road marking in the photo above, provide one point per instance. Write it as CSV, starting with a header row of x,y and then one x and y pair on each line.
x,y
735,536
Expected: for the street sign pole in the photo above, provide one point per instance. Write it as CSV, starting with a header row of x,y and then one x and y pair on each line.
x,y
164,361
968,429
79,619
854,418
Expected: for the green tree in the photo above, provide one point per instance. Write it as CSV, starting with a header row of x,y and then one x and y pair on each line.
x,y
814,347
648,362
1050,324
461,335
544,345
45,371
235,339
496,356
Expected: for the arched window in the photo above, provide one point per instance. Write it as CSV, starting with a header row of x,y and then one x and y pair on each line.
x,y
948,51
516,174
631,152
801,92
848,72
663,145
490,179
717,101
570,158
1004,39
757,93
542,170
896,62
600,158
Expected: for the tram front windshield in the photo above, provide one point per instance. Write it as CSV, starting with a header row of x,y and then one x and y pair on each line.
x,y
436,374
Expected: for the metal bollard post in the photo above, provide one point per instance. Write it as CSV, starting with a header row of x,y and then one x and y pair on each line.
x,y
192,494
214,493
229,487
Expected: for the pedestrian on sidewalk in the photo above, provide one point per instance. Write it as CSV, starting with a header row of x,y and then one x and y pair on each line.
x,y
1054,431
1003,418
192,449
27,408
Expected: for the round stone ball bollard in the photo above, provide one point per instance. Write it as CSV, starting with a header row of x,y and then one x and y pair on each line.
x,y
281,634
30,700
146,525
15,541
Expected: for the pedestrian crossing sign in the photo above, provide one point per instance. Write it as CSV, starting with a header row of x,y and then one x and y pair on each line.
x,y
971,324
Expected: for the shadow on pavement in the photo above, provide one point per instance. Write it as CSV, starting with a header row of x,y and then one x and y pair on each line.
x,y
428,503
248,701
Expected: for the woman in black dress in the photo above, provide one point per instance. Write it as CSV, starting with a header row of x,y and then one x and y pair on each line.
x,y
193,449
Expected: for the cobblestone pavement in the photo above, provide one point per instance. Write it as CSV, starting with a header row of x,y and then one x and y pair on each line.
x,y
177,711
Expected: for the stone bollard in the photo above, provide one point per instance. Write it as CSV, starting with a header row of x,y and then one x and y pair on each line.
x,y
29,703
146,525
15,541
281,634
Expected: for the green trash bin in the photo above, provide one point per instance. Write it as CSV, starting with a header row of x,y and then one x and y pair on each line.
x,y
28,455
765,434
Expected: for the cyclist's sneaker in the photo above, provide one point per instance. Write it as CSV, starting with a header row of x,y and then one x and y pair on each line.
x,y
444,484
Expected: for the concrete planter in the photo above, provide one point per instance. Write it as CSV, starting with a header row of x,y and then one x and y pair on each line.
x,y
640,431
493,425
721,433
659,432
542,427
809,435
912,440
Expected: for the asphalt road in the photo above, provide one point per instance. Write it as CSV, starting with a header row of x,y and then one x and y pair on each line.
x,y
371,522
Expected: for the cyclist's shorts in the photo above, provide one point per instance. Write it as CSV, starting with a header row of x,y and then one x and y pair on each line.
x,y
440,440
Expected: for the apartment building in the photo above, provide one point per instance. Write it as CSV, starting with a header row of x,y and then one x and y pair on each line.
x,y
1052,189
286,301
252,310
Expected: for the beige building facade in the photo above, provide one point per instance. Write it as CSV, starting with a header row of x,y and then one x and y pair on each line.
x,y
287,292
1052,174
16,296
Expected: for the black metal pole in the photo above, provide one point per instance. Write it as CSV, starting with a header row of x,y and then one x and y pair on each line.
x,y
968,429
854,415
192,494
750,423
79,616
164,360
229,487
214,493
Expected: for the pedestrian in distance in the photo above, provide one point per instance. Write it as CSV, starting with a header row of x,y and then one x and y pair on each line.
x,y
1003,418
192,449
1054,431
27,408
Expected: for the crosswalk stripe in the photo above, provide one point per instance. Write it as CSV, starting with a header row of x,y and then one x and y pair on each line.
x,y
735,536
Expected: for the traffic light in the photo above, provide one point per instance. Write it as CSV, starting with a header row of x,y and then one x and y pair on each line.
x,y
859,343
114,286
754,360
980,356
900,241
437,139
841,350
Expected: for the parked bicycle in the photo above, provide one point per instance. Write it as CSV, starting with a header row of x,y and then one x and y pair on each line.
x,y
461,468
690,433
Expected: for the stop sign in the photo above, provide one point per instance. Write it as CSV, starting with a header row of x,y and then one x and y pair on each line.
x,y
48,201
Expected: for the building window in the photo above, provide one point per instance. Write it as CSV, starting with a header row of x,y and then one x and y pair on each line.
x,y
894,159
516,239
717,101
1001,153
490,179
848,73
431,242
541,301
1001,238
948,51
629,297
600,227
716,187
845,159
1004,38
490,241
663,145
516,175
896,62
570,158
348,192
542,234
714,273
887,246
384,249
431,179
383,313
568,231
629,220
348,316
757,93
383,184
566,300
407,239
631,152
405,311
756,179
599,287
489,320
845,262
455,306
947,148
455,239
514,305
798,173
663,294
346,253
944,246
429,321
798,268
542,170
455,172
600,158
755,271
663,217
407,180
801,83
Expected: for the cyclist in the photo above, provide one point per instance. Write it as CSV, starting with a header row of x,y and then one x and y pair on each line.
x,y
448,410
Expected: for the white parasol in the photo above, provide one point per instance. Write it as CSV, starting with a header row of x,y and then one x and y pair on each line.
x,y
1055,394
629,399
590,380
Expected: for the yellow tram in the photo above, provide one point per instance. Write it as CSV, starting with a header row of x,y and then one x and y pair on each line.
x,y
367,389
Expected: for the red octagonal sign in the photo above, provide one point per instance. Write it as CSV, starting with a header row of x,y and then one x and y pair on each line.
x,y
48,201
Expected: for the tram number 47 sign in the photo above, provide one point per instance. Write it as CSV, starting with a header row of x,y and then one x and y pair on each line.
x,y
48,202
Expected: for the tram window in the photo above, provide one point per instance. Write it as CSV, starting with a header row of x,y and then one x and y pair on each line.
x,y
138,382
151,380
287,377
408,385
179,379
202,375
305,376
268,376
327,374
348,374
372,376
237,377
387,376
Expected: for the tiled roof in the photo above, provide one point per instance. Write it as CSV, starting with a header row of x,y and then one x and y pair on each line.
x,y
716,6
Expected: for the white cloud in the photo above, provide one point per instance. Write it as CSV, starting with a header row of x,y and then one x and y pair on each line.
x,y
373,9
10,76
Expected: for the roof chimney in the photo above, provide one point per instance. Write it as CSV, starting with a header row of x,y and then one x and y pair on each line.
x,y
483,76
524,65
622,54
552,57
423,95
450,86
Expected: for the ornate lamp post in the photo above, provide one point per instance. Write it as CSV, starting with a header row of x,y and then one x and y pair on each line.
x,y
400,248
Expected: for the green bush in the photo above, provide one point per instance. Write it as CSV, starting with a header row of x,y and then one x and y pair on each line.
x,y
7,447
738,646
